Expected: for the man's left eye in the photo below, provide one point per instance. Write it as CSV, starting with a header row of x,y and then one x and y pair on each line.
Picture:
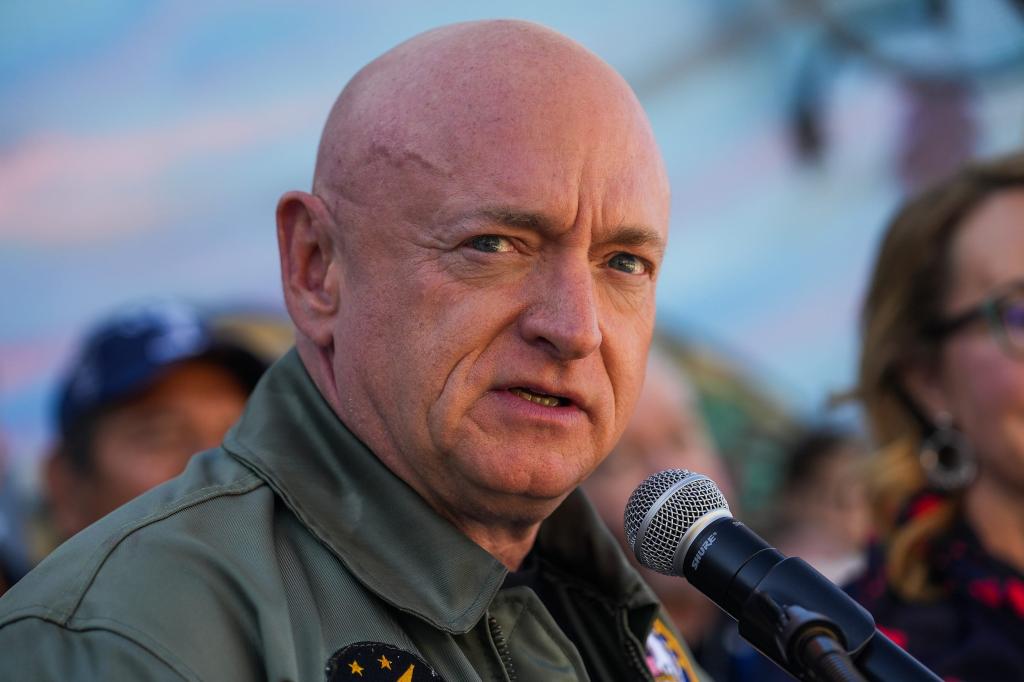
x,y
491,243
628,263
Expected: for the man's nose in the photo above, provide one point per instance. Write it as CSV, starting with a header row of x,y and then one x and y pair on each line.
x,y
563,314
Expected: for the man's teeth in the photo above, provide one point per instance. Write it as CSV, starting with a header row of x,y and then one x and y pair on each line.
x,y
538,398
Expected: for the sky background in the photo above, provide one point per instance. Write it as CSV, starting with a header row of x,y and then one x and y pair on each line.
x,y
143,146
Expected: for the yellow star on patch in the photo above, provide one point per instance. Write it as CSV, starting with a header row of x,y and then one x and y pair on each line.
x,y
385,664
356,668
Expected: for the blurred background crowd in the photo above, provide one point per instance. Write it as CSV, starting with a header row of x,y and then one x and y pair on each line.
x,y
835,354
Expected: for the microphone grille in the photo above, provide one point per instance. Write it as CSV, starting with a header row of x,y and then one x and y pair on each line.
x,y
694,497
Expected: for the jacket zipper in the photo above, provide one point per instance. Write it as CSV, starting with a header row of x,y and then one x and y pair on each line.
x,y
632,648
639,665
502,646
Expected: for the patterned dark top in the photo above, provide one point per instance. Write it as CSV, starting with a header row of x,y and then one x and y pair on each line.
x,y
975,631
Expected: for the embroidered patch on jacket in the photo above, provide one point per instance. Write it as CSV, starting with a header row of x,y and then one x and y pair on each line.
x,y
667,661
377,662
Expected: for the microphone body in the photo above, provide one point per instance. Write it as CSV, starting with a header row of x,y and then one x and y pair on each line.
x,y
750,580
679,524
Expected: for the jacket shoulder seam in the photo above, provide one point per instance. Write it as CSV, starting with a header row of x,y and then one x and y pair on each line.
x,y
84,580
120,630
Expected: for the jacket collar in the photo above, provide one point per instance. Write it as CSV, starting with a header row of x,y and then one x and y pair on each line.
x,y
381,529
575,539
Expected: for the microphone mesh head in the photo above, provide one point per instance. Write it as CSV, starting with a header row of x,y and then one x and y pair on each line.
x,y
676,515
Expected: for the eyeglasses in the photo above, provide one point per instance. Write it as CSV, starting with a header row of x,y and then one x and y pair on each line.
x,y
1004,315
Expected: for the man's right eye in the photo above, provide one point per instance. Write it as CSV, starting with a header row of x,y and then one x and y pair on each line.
x,y
490,243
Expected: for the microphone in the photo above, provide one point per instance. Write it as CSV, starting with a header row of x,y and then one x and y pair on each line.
x,y
678,523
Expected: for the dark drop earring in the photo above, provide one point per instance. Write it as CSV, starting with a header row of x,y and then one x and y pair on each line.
x,y
947,457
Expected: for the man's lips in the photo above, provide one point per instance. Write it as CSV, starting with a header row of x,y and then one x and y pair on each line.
x,y
539,398
519,403
545,396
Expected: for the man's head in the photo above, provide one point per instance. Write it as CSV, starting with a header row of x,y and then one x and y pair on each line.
x,y
473,277
151,386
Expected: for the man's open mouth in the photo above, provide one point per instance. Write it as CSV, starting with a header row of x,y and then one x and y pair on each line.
x,y
540,398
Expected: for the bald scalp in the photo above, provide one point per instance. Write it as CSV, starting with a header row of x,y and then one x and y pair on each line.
x,y
430,101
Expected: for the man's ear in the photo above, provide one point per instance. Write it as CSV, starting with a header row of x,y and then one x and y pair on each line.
x,y
923,383
310,272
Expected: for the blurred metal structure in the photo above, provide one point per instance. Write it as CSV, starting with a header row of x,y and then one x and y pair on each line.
x,y
934,48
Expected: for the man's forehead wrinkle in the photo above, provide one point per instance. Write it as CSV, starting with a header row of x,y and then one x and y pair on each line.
x,y
343,203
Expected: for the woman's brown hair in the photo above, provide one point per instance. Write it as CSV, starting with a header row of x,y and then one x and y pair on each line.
x,y
906,296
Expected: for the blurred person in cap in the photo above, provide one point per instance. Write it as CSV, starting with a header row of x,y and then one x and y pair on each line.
x,y
472,281
150,386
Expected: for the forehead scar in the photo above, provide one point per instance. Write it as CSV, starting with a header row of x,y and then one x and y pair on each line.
x,y
398,159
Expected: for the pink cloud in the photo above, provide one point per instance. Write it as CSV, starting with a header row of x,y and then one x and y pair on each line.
x,y
60,188
25,361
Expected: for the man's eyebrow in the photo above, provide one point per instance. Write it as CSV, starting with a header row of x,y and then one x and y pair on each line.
x,y
515,218
636,237
627,235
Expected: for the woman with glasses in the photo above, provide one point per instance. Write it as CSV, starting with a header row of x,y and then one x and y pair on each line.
x,y
942,382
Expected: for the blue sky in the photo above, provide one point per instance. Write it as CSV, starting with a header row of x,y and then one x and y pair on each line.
x,y
143,146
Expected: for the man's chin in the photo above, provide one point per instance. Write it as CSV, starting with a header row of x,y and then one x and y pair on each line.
x,y
509,511
525,497
526,477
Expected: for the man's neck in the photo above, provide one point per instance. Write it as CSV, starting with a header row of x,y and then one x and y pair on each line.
x,y
317,362
509,547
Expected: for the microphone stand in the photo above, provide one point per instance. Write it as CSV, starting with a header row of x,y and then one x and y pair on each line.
x,y
826,638
788,611
813,643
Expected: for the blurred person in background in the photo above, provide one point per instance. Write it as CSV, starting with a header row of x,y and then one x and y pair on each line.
x,y
13,552
666,431
150,386
823,513
942,380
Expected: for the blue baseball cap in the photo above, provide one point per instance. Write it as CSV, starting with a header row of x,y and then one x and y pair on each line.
x,y
124,353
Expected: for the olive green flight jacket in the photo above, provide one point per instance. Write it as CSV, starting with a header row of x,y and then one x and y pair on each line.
x,y
292,553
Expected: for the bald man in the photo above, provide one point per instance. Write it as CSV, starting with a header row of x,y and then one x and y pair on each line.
x,y
472,280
